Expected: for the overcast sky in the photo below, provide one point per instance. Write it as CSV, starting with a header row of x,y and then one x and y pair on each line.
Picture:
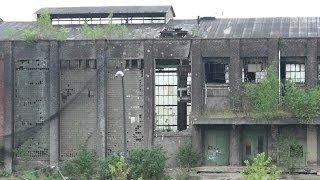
x,y
23,10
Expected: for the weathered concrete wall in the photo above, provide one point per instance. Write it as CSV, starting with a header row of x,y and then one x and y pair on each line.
x,y
31,99
217,99
134,96
1,93
170,142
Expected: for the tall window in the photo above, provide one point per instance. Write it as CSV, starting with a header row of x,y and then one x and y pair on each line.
x,y
217,73
166,92
295,73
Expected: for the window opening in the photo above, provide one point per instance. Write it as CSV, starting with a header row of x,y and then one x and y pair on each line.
x,y
294,72
134,63
217,73
253,72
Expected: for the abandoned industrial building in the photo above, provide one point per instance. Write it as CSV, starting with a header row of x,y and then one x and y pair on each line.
x,y
178,76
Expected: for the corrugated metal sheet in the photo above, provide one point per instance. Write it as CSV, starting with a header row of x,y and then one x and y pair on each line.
x,y
107,9
278,27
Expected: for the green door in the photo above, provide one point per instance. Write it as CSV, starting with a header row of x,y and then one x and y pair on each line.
x,y
216,148
254,142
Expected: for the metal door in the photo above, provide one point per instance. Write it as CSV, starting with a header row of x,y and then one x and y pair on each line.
x,y
216,148
254,142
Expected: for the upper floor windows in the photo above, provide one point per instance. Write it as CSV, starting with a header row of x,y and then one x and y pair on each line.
x,y
294,72
217,72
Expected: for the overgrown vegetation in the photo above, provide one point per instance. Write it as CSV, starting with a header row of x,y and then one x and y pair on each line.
x,y
147,163
264,97
10,33
302,103
109,30
118,170
265,102
260,168
22,152
186,156
290,152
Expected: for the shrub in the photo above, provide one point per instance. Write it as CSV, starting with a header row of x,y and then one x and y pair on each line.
x,y
260,168
28,34
119,170
147,163
103,169
84,166
303,104
186,156
264,97
290,152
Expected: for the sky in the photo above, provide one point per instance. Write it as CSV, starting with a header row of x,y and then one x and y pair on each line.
x,y
23,10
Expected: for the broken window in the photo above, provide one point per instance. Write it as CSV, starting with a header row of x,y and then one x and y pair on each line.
x,y
253,73
319,73
173,103
217,72
295,72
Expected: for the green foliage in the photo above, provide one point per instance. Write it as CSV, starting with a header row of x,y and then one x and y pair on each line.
x,y
103,167
264,97
260,168
119,170
22,152
29,35
43,30
147,163
195,32
3,173
29,175
186,156
10,33
84,166
290,152
302,103
109,30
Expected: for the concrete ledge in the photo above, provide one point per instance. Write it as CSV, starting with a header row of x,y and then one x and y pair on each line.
x,y
239,121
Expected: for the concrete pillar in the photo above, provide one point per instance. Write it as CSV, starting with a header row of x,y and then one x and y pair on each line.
x,y
272,146
311,63
197,77
312,147
235,75
273,53
54,100
101,99
196,139
149,105
235,146
8,106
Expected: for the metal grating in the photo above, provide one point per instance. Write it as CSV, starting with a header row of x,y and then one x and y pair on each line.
x,y
31,126
78,103
134,101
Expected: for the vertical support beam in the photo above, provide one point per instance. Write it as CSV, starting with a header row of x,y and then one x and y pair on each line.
x,y
54,102
101,99
235,145
273,54
196,78
182,115
312,147
8,106
272,146
235,75
196,139
149,76
311,63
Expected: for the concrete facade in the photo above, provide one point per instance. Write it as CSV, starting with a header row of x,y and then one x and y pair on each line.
x,y
59,95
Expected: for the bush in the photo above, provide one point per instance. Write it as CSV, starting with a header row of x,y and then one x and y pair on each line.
x,y
186,156
264,97
261,168
303,104
84,166
147,163
103,169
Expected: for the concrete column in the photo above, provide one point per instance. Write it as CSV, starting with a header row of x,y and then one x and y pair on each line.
x,y
312,147
8,106
273,53
272,146
54,102
311,63
101,99
235,146
149,78
235,75
197,76
196,139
